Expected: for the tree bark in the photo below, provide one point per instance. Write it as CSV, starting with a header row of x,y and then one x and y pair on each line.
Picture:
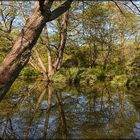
x,y
41,64
50,65
21,50
63,38
54,66
38,61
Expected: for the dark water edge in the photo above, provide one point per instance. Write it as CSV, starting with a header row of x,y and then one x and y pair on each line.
x,y
100,111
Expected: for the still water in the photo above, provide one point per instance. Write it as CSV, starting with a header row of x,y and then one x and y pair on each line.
x,y
46,112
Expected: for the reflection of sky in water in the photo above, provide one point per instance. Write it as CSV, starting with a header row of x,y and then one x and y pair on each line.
x,y
84,115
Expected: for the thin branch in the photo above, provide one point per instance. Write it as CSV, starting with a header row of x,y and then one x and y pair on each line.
x,y
130,8
118,7
135,6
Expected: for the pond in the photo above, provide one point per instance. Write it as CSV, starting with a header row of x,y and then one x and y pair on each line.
x,y
38,111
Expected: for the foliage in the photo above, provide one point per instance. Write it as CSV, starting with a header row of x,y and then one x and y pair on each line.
x,y
119,80
28,74
107,47
133,71
5,44
58,77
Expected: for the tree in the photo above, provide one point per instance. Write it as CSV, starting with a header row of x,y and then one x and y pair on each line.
x,y
52,67
21,50
105,33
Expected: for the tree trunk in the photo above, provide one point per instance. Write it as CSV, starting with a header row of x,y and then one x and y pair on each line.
x,y
20,53
21,50
63,38
39,60
41,64
50,65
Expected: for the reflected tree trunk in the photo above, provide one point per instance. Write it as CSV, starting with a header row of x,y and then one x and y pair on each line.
x,y
50,91
8,131
27,131
62,116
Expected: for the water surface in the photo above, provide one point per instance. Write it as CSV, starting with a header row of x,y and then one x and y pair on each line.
x,y
39,111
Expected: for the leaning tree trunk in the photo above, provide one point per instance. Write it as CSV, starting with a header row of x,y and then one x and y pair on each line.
x,y
21,50
20,53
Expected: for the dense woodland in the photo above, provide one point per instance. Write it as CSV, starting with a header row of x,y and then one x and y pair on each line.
x,y
69,69
75,43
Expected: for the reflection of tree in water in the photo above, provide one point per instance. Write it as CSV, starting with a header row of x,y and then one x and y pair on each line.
x,y
8,131
97,112
105,114
31,119
134,98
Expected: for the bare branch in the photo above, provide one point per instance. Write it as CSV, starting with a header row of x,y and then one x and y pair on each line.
x,y
135,6
60,10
